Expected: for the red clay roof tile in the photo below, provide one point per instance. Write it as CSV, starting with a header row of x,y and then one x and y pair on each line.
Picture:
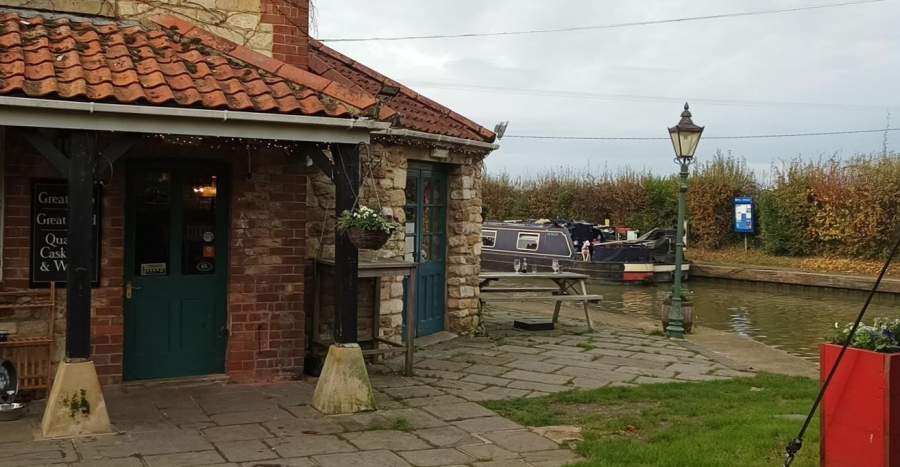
x,y
417,112
180,64
186,65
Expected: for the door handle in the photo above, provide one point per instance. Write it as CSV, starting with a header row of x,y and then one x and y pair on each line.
x,y
129,288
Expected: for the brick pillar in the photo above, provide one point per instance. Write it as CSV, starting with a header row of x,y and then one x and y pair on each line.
x,y
290,25
266,267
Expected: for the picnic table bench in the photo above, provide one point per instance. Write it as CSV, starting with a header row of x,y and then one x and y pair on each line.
x,y
570,287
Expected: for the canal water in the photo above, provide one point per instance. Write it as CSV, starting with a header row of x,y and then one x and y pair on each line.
x,y
794,319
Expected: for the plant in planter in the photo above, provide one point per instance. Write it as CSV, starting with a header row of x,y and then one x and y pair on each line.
x,y
367,228
687,307
857,417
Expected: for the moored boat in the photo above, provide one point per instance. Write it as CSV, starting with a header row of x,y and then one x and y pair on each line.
x,y
649,258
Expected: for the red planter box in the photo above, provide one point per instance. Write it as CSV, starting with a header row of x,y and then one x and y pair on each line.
x,y
860,414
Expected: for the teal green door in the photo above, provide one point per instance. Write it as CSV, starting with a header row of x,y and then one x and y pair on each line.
x,y
176,241
426,243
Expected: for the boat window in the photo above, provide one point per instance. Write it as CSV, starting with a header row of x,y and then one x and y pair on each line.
x,y
488,238
528,241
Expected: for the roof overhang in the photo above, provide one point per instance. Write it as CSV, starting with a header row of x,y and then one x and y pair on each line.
x,y
450,140
47,113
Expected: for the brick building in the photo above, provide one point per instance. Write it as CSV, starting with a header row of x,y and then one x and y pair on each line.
x,y
207,225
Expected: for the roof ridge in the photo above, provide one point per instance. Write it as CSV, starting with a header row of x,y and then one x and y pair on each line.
x,y
354,96
383,79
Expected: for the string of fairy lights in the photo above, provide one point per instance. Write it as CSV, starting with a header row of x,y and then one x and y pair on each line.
x,y
217,142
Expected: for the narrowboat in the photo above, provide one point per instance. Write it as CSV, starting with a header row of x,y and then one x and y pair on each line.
x,y
648,259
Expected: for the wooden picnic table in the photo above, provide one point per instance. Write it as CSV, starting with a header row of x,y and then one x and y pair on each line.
x,y
569,287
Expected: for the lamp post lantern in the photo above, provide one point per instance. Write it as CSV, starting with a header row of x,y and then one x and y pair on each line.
x,y
685,137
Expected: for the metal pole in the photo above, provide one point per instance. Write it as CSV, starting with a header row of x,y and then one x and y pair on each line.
x,y
676,315
746,247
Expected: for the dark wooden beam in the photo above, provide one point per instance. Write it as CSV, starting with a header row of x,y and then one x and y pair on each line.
x,y
318,157
115,150
48,150
346,256
79,251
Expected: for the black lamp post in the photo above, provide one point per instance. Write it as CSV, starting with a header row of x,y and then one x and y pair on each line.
x,y
685,137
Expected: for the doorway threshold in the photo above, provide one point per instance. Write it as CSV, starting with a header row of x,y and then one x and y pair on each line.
x,y
182,382
432,339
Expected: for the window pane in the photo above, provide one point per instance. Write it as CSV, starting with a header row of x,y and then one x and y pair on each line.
x,y
437,191
425,255
427,185
153,207
427,221
411,197
436,247
488,239
528,242
199,218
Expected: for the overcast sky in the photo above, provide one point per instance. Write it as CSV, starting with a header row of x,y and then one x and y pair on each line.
x,y
845,55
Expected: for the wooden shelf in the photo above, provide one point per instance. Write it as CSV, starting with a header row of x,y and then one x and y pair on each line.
x,y
12,306
26,342
33,356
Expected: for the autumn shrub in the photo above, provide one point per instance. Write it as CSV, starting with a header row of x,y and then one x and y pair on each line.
x,y
660,204
710,199
832,206
785,212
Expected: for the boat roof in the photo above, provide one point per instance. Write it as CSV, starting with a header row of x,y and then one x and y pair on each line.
x,y
521,225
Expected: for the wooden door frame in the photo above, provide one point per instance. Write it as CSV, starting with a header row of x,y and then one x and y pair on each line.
x,y
444,170
222,170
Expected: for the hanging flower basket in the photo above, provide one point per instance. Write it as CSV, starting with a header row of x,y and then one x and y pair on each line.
x,y
366,227
367,239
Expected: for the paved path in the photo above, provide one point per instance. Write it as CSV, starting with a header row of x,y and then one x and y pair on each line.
x,y
429,420
512,363
272,426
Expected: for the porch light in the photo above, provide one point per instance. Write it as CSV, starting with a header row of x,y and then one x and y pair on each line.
x,y
685,136
206,191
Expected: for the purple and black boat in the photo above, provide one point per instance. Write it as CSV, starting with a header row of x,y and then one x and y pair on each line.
x,y
648,259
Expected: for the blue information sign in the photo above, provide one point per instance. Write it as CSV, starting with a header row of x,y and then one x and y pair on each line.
x,y
743,214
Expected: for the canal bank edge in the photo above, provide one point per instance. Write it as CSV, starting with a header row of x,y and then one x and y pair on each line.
x,y
792,277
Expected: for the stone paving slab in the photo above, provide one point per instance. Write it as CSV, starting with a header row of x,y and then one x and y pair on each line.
x,y
37,453
487,425
256,416
385,439
145,444
461,411
521,441
306,445
537,377
447,436
362,459
183,459
489,452
436,457
429,401
310,426
235,433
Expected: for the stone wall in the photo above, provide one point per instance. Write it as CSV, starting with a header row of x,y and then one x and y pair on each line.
x,y
386,186
277,28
